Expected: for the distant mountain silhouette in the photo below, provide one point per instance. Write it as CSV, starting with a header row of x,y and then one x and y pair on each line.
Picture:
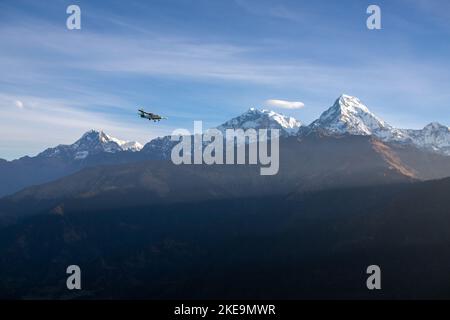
x,y
306,164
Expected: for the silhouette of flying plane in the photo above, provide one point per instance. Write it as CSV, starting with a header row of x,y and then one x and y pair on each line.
x,y
150,116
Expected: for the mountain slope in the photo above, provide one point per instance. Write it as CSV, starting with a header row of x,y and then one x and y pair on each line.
x,y
210,250
312,163
307,164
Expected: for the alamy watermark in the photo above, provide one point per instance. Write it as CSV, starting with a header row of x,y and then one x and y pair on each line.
x,y
374,280
73,282
73,21
374,20
215,147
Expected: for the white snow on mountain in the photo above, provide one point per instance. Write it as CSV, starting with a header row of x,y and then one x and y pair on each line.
x,y
130,145
263,119
92,142
349,116
160,147
251,119
81,155
99,141
434,137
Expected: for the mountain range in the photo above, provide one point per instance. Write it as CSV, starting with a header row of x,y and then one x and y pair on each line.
x,y
347,117
351,191
347,146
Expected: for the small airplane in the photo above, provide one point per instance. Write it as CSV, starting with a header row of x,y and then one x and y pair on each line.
x,y
150,116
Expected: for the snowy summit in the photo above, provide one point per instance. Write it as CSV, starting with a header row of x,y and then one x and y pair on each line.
x,y
92,142
349,116
263,119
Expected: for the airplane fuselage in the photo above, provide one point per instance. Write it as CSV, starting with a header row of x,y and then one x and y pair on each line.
x,y
149,115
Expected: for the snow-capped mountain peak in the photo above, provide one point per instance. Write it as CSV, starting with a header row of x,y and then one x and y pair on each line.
x,y
263,119
131,146
92,142
98,140
435,127
349,115
351,104
434,137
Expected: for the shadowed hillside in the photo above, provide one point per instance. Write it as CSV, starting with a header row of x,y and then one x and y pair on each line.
x,y
313,245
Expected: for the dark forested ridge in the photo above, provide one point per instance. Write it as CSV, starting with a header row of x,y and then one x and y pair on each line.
x,y
309,245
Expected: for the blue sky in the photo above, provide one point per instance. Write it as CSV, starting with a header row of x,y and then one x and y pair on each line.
x,y
211,60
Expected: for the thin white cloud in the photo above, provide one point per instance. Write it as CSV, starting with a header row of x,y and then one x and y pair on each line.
x,y
179,57
284,104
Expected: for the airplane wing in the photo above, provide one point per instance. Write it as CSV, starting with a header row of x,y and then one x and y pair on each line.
x,y
143,112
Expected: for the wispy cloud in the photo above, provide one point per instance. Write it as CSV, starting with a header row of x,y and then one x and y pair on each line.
x,y
270,9
178,57
284,104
